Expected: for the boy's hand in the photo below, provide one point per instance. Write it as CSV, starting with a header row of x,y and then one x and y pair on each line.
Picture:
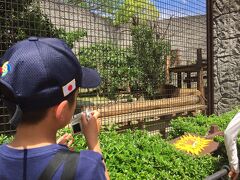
x,y
233,175
66,139
91,129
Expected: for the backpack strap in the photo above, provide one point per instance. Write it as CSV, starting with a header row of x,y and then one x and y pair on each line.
x,y
70,164
53,165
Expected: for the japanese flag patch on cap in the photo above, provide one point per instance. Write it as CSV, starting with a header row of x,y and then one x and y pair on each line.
x,y
69,87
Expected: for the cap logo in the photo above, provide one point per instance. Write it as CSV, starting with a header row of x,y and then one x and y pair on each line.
x,y
69,87
6,67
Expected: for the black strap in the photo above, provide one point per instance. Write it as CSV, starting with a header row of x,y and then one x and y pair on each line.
x,y
70,160
53,165
25,164
70,166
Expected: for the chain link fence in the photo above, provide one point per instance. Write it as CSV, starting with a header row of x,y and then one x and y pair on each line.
x,y
151,54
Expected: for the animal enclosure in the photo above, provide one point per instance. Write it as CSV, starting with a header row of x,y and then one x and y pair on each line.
x,y
151,54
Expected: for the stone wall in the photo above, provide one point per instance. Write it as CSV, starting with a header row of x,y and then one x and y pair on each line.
x,y
226,32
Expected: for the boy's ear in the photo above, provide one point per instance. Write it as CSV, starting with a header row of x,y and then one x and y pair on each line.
x,y
61,110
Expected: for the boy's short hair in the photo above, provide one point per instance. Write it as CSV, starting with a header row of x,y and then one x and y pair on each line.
x,y
33,117
39,73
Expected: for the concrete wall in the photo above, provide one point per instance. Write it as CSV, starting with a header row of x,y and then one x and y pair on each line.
x,y
98,29
226,17
185,33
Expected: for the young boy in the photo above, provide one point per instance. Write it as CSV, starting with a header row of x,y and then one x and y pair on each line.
x,y
39,79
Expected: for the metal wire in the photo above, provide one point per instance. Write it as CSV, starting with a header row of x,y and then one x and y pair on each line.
x,y
135,47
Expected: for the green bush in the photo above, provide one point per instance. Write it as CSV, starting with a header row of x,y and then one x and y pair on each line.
x,y
115,65
72,36
138,155
4,139
150,54
20,20
199,124
140,67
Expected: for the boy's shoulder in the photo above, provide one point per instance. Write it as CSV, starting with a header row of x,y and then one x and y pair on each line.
x,y
9,152
91,155
52,149
89,162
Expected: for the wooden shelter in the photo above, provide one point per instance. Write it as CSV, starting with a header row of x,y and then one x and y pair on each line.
x,y
198,68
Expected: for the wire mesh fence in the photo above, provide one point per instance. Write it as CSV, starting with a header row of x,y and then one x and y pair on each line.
x,y
151,54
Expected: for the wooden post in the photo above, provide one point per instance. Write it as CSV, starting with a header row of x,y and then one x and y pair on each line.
x,y
199,57
177,57
176,54
200,83
188,80
168,62
179,80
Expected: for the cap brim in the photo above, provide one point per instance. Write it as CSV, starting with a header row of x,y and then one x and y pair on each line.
x,y
90,78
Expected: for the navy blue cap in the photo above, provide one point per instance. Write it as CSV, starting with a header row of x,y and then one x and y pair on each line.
x,y
42,72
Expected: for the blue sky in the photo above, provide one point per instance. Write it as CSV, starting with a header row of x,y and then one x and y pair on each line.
x,y
180,8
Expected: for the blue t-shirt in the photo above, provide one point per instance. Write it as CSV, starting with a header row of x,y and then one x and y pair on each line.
x,y
14,163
